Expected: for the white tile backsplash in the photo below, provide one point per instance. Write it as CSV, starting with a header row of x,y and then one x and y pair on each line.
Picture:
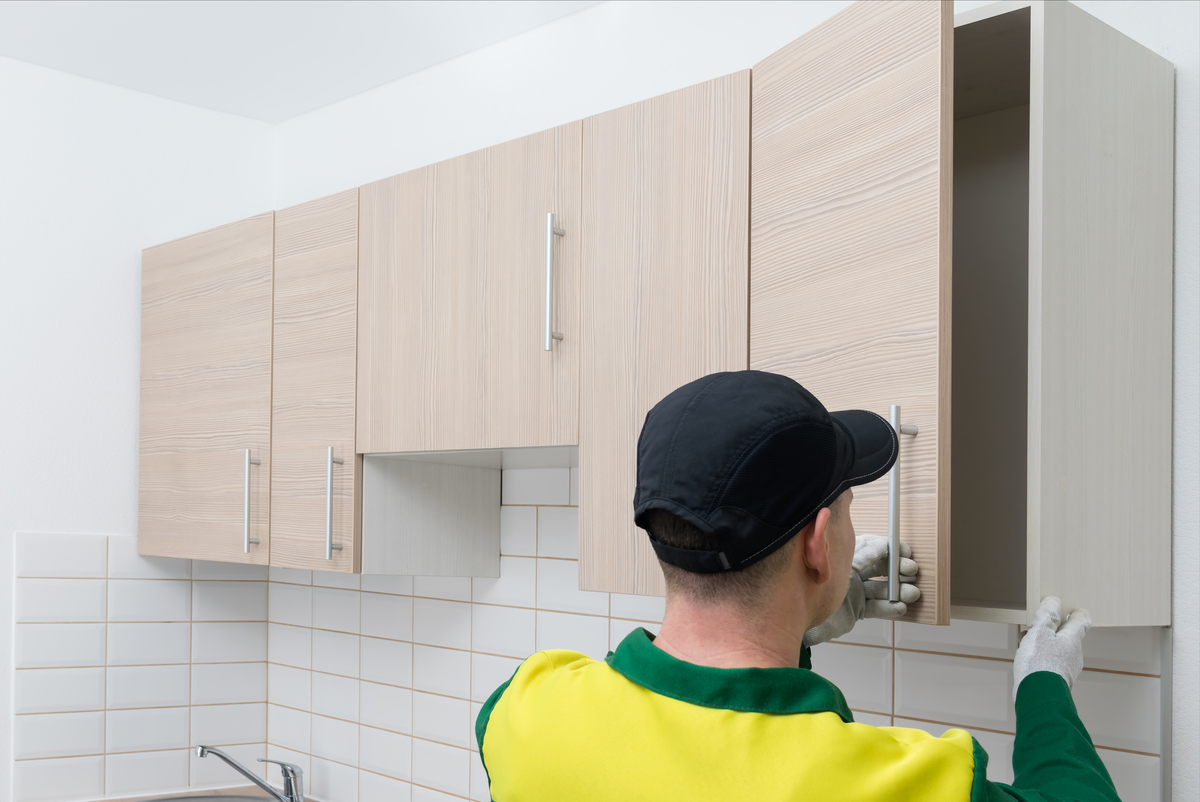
x,y
374,787
378,583
637,608
536,486
386,661
978,638
386,753
146,772
516,586
55,780
336,609
333,781
59,645
1119,710
290,604
558,589
289,686
960,690
587,634
335,579
445,671
205,569
863,673
335,696
148,686
49,555
148,644
440,718
335,652
58,735
385,707
503,630
147,730
518,531
228,683
442,623
229,601
229,724
289,645
229,642
444,768
558,532
58,690
60,600
387,616
125,563
291,729
211,772
488,673
451,588
149,600
334,739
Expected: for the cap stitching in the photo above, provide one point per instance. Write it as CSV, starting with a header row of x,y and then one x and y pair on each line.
x,y
666,469
770,428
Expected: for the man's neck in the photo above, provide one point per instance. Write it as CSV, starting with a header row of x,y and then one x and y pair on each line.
x,y
726,637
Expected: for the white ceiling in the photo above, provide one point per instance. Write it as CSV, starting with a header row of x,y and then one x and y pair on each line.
x,y
268,60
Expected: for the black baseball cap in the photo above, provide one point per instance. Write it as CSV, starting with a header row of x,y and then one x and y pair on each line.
x,y
751,458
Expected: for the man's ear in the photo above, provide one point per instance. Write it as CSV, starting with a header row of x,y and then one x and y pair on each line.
x,y
814,547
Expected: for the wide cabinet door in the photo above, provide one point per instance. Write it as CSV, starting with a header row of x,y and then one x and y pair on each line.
x,y
664,294
850,245
205,418
315,473
452,300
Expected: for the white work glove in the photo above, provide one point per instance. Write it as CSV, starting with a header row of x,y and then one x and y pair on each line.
x,y
866,597
1045,647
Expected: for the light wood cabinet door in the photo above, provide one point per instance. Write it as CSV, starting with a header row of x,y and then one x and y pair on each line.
x,y
451,301
850,245
206,395
312,404
665,227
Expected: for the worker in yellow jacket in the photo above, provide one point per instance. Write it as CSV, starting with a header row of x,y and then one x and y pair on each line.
x,y
744,487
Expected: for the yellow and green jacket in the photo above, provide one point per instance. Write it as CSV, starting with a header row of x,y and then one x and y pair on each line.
x,y
643,725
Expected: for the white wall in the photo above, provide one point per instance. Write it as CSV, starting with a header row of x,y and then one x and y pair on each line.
x,y
622,51
89,175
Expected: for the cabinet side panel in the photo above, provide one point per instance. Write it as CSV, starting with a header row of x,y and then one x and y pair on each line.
x,y
1102,127
316,295
850,290
206,393
664,295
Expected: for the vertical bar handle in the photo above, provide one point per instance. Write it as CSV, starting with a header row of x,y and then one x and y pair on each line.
x,y
330,461
551,233
893,576
246,539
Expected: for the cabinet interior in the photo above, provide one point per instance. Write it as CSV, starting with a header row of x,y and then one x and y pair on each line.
x,y
989,353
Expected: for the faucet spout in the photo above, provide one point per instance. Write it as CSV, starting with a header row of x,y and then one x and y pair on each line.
x,y
293,775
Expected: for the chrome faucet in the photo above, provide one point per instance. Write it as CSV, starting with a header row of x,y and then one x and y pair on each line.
x,y
293,775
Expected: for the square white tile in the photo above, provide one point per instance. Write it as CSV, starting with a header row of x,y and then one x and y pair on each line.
x,y
558,532
383,583
205,569
58,645
229,724
444,671
335,652
619,628
149,600
333,781
294,576
125,563
387,616
518,531
335,739
148,644
516,586
229,642
1119,710
637,608
229,601
58,690
980,638
290,604
335,696
384,752
211,772
374,787
147,730
967,691
442,623
386,661
62,779
445,768
147,686
862,673
60,600
335,579
488,673
291,729
289,686
536,486
335,609
289,645
146,772
228,683
871,632
385,707
506,631
58,735
587,634
440,718
48,555
558,589
450,588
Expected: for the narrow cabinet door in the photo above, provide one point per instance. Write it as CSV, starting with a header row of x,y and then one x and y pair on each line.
x,y
315,473
205,418
850,245
452,300
664,300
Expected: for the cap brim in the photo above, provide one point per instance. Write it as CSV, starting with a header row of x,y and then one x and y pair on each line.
x,y
873,443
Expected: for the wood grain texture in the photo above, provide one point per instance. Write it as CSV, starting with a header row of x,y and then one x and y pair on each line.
x,y
665,282
1100,316
451,285
206,393
850,244
316,296
430,518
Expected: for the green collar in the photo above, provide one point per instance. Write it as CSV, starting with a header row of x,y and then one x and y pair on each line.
x,y
751,690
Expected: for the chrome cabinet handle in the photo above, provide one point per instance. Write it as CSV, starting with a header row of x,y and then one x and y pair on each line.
x,y
551,233
330,461
894,508
246,539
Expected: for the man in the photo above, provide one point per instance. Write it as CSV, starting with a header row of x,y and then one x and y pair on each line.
x,y
744,486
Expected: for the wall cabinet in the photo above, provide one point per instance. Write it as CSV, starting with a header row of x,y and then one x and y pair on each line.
x,y
665,228
204,463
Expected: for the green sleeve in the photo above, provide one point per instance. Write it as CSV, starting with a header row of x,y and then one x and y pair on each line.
x,y
485,715
1053,756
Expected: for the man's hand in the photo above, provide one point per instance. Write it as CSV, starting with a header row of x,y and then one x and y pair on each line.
x,y
867,597
1045,647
